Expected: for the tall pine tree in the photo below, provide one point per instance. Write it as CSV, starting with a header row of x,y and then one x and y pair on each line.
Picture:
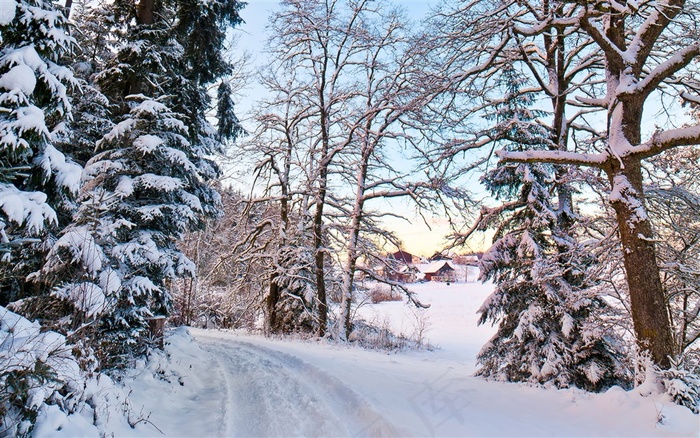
x,y
147,184
544,302
37,181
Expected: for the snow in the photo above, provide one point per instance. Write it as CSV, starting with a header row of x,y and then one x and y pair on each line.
x,y
81,245
26,207
110,281
142,285
147,143
125,187
547,156
20,77
219,383
30,118
22,344
24,55
191,201
119,130
158,182
8,8
86,297
179,158
622,191
433,267
68,173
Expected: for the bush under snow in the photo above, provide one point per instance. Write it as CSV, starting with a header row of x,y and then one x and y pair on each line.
x,y
38,370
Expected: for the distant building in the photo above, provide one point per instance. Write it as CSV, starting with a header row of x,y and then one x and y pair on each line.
x,y
439,256
403,257
400,267
441,270
467,259
406,274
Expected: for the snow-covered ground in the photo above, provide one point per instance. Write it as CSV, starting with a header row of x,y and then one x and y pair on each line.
x,y
230,384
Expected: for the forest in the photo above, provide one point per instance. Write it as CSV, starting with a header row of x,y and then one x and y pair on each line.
x,y
567,130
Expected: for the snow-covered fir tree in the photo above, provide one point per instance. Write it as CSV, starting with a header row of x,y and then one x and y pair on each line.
x,y
37,181
147,183
38,369
544,303
38,184
92,112
149,188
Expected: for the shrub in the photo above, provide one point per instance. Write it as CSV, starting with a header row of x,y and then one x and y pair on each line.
x,y
36,369
380,294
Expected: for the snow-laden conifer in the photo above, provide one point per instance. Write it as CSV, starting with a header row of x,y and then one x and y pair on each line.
x,y
544,303
37,369
143,190
145,183
35,177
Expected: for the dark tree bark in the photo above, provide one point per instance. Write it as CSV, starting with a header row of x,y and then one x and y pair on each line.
x,y
145,11
648,303
271,300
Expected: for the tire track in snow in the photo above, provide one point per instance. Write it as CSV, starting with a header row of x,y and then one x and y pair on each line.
x,y
270,393
225,422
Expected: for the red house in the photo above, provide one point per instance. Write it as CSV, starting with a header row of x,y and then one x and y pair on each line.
x,y
403,257
441,270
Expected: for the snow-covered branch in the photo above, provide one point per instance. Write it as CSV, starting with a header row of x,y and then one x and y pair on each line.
x,y
665,11
608,47
664,140
675,63
553,157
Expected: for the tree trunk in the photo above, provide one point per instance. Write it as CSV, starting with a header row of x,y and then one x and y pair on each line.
x,y
351,263
319,258
273,297
346,300
144,11
324,162
648,303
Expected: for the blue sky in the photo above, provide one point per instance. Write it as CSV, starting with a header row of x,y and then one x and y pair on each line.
x,y
418,238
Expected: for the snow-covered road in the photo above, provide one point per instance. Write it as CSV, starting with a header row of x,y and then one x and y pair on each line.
x,y
313,388
221,383
269,393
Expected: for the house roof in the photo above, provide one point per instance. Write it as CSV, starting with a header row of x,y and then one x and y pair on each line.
x,y
434,267
405,269
402,256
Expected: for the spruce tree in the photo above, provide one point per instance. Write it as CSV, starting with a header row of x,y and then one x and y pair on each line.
x,y
148,181
545,302
149,189
37,181
92,111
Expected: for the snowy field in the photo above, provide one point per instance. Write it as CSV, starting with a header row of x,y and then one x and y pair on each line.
x,y
231,384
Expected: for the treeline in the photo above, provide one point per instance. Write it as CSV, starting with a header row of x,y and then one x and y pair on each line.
x,y
106,160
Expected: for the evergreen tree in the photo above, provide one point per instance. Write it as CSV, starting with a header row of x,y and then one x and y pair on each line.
x,y
147,183
92,111
544,300
149,189
229,127
38,184
200,29
36,179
